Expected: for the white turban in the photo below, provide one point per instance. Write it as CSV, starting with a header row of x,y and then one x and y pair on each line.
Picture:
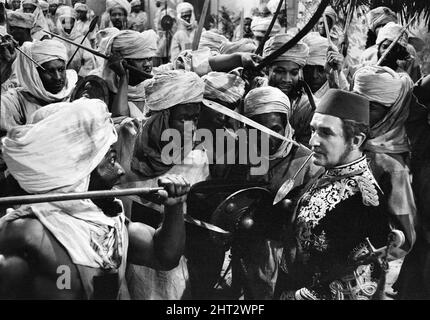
x,y
272,5
20,19
65,12
390,32
259,26
380,16
242,45
43,5
298,54
135,3
379,84
123,4
53,2
81,6
223,86
184,7
212,40
135,45
62,149
318,47
329,12
28,77
266,100
171,88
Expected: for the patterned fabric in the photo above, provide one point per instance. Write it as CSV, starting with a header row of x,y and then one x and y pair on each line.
x,y
338,184
330,255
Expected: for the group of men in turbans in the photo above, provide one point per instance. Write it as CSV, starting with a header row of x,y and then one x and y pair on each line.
x,y
341,141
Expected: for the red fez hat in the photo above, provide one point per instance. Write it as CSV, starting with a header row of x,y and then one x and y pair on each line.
x,y
345,105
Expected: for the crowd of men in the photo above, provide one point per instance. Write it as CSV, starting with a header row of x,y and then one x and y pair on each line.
x,y
346,147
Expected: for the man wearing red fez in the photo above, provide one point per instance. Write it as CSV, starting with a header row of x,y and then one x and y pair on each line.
x,y
326,255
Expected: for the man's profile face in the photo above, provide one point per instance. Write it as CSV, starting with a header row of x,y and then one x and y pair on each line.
x,y
118,18
109,170
321,27
144,64
274,121
212,120
314,76
54,78
328,141
377,112
186,16
397,53
28,8
284,76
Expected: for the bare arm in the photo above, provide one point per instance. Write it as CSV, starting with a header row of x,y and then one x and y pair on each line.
x,y
120,102
162,248
228,62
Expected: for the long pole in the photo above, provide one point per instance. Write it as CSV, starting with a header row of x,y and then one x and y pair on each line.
x,y
269,29
90,29
81,195
198,33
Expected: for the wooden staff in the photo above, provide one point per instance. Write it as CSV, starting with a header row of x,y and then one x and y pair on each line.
x,y
90,29
269,30
38,198
198,33
330,43
99,54
395,42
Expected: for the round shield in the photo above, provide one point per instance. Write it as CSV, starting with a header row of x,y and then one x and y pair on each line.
x,y
167,23
241,214
92,87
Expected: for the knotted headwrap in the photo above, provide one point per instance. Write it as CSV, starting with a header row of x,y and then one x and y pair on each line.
x,y
171,88
393,90
298,54
270,100
259,26
58,153
123,4
318,47
43,5
81,6
131,44
20,19
379,84
184,7
380,16
222,86
212,40
48,50
62,148
329,12
266,100
242,45
135,3
390,32
272,5
28,77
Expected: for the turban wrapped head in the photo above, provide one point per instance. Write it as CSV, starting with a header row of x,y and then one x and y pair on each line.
x,y
28,77
329,12
62,148
182,8
272,5
318,47
266,100
212,40
81,7
171,88
135,3
43,5
242,45
379,84
21,19
380,16
259,26
123,4
222,86
131,44
390,32
298,54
